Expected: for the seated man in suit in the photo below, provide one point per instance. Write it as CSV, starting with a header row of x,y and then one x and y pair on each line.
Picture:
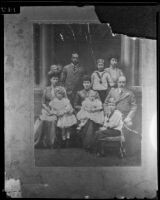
x,y
125,103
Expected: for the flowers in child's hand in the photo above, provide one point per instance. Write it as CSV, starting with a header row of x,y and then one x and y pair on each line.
x,y
128,121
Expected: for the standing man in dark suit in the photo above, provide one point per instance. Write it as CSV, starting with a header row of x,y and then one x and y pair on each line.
x,y
71,77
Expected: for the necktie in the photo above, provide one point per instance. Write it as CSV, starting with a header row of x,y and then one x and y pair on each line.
x,y
120,91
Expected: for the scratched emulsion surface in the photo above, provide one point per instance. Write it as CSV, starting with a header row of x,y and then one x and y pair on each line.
x,y
97,182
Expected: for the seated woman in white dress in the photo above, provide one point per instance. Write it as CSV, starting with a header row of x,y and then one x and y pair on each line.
x,y
91,109
62,108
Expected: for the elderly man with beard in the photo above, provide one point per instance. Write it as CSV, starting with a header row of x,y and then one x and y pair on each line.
x,y
125,103
125,100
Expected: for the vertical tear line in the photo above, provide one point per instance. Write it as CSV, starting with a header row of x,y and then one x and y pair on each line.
x,y
61,36
90,43
86,36
113,34
109,28
72,32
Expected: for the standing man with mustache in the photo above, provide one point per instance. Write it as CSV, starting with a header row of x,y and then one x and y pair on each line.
x,y
71,77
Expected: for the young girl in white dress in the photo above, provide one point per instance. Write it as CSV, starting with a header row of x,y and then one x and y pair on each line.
x,y
62,108
91,109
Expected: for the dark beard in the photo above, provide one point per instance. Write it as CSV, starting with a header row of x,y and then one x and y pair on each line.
x,y
101,70
75,63
87,89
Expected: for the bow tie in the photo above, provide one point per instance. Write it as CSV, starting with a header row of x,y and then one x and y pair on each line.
x,y
75,68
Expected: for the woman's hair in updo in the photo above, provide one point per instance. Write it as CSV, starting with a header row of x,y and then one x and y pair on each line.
x,y
53,74
113,56
86,77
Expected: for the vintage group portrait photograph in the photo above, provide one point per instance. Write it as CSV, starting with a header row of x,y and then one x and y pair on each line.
x,y
87,96
80,86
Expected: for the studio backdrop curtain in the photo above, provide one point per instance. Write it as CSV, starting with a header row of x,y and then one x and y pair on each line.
x,y
130,60
54,44
44,52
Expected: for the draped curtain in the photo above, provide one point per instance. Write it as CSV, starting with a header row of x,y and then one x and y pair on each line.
x,y
130,60
44,52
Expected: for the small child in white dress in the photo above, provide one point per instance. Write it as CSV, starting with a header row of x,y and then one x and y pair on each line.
x,y
62,108
91,109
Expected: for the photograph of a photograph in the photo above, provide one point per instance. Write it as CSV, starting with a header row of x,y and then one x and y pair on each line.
x,y
80,111
87,96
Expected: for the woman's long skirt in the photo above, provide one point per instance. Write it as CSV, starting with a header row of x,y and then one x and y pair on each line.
x,y
87,134
44,133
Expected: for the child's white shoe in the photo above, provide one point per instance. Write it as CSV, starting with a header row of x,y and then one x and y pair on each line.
x,y
63,137
68,135
78,128
102,128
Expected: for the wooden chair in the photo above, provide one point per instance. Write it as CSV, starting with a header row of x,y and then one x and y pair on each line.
x,y
113,140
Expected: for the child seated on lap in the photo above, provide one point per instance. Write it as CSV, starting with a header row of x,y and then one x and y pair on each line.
x,y
113,117
91,109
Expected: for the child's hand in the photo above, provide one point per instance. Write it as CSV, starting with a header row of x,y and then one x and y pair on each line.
x,y
46,108
128,121
94,109
70,111
60,113
53,112
103,128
